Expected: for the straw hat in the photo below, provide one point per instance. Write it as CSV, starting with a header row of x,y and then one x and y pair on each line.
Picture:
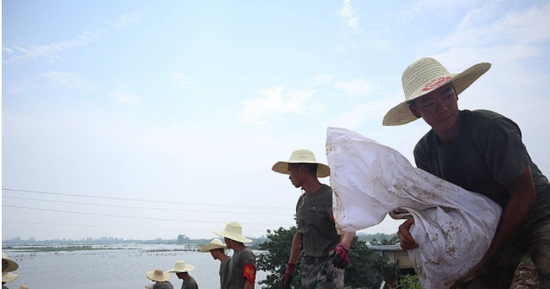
x,y
9,276
157,275
424,76
302,156
23,287
233,231
181,267
214,244
12,265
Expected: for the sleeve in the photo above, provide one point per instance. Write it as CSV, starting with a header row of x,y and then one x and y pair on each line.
x,y
504,152
249,268
298,205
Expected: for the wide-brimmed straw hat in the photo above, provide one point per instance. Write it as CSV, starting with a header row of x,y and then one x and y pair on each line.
x,y
302,156
181,267
157,275
23,287
424,76
12,265
214,244
9,276
233,231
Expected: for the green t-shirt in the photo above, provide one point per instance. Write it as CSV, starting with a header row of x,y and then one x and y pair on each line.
x,y
487,154
224,273
190,284
163,285
239,259
316,223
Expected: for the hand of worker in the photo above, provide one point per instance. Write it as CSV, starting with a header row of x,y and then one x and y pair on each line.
x,y
339,256
405,238
289,275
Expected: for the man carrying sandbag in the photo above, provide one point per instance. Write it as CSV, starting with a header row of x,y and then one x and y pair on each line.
x,y
324,253
481,151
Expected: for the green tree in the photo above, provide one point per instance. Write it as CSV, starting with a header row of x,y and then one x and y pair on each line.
x,y
409,282
365,269
278,245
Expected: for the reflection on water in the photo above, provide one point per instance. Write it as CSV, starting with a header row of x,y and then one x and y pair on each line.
x,y
111,268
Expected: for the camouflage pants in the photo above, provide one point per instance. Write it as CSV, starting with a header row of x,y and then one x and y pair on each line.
x,y
322,276
532,238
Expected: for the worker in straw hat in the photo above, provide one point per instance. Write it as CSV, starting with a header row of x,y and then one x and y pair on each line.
x,y
324,253
182,271
160,278
217,250
481,151
8,265
242,267
8,277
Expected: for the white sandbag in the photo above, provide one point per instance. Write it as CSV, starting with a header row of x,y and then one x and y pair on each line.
x,y
453,227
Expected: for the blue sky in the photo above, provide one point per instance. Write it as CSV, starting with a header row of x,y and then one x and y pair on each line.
x,y
188,104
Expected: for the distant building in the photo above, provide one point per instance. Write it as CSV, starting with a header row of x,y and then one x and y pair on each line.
x,y
395,255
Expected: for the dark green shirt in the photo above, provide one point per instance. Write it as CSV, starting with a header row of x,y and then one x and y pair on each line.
x,y
487,154
163,285
190,284
224,273
316,223
239,259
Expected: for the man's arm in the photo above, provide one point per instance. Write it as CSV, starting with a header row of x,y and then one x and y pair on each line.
x,y
522,198
248,285
295,250
347,238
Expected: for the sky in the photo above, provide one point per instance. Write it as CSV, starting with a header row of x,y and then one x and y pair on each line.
x,y
149,119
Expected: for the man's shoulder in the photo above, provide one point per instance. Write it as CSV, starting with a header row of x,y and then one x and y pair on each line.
x,y
244,252
482,115
484,121
326,188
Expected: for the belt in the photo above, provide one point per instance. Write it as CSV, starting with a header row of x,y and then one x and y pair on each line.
x,y
314,260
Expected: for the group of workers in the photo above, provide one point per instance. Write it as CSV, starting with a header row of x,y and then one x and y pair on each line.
x,y
479,150
236,271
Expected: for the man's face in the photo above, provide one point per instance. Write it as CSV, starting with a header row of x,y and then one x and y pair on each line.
x,y
439,108
180,274
228,242
214,254
296,175
4,265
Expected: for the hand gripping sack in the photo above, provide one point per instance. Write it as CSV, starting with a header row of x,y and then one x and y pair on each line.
x,y
453,227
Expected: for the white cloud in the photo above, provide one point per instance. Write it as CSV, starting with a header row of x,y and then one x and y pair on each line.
x,y
524,28
125,97
356,87
412,11
126,20
381,45
275,103
180,80
349,16
49,51
364,113
69,80
320,79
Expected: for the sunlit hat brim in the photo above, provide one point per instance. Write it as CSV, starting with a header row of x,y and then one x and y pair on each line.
x,y
427,71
